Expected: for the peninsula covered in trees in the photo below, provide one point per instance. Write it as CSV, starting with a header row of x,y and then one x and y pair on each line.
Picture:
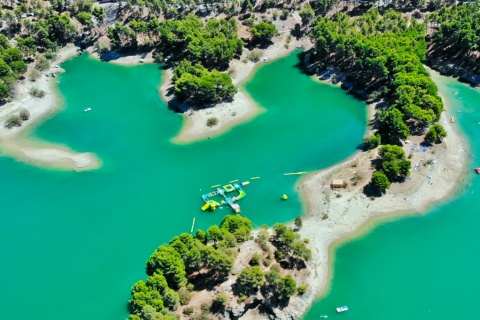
x,y
225,270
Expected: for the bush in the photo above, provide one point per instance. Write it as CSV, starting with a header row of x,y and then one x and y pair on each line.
x,y
42,63
185,296
24,114
285,14
256,259
50,55
34,75
275,267
212,122
219,302
248,22
279,254
436,133
298,222
37,93
267,262
255,55
13,121
371,142
302,289
380,181
188,311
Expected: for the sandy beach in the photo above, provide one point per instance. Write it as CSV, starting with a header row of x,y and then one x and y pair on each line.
x,y
15,143
242,108
124,60
332,216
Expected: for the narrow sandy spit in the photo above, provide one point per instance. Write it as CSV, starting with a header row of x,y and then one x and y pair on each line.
x,y
15,143
332,216
241,109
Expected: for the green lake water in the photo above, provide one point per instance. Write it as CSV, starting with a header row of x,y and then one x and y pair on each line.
x,y
422,267
72,244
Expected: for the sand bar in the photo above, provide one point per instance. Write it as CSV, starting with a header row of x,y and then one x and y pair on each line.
x,y
14,142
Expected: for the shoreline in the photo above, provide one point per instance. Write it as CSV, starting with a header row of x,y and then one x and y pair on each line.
x,y
229,114
351,214
15,142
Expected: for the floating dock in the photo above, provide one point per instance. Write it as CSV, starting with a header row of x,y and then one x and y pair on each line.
x,y
224,192
294,173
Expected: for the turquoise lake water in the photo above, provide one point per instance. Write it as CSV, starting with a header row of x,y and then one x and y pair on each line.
x,y
74,243
423,267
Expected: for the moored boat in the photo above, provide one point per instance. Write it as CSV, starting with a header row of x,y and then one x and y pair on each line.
x,y
342,309
477,170
87,109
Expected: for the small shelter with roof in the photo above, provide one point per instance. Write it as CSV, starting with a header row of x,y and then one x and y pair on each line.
x,y
337,183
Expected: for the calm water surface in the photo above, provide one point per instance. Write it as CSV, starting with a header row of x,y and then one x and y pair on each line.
x,y
421,267
74,243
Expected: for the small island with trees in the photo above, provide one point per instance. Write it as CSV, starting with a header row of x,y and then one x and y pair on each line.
x,y
227,271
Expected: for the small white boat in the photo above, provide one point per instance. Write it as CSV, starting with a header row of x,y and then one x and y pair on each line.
x,y
324,316
342,309
87,109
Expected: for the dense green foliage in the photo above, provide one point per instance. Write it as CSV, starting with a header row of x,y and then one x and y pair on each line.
x,y
213,43
456,34
380,181
384,55
207,258
12,66
250,279
393,162
263,32
435,133
289,246
372,141
195,83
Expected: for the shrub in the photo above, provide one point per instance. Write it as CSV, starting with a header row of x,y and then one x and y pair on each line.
x,y
371,142
50,54
185,296
219,302
249,22
256,259
188,311
34,75
255,55
436,133
37,93
242,298
212,122
42,63
24,114
13,121
302,289
298,222
380,181
285,14
275,267
267,262
279,254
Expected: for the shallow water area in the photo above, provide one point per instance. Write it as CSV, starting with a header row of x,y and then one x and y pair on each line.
x,y
422,267
74,243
